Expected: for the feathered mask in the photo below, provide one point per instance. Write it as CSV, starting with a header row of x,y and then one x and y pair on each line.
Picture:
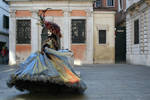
x,y
52,27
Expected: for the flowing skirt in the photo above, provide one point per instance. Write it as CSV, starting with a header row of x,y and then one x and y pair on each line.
x,y
51,71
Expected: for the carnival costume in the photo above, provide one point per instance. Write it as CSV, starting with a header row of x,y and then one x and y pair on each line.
x,y
49,70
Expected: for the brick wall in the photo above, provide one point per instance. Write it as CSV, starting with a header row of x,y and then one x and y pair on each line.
x,y
106,8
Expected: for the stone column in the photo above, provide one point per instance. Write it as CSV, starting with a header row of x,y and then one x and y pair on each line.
x,y
89,38
34,31
12,37
66,35
39,36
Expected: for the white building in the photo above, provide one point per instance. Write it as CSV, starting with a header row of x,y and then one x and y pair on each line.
x,y
4,24
138,32
131,2
72,16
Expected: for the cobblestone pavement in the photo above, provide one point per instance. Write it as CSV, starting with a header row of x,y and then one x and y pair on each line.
x,y
104,81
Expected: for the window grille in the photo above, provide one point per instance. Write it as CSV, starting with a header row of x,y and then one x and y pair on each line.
x,y
136,31
78,31
102,36
23,32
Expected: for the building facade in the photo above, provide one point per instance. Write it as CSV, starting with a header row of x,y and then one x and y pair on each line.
x,y
75,19
89,33
104,31
138,32
4,24
4,28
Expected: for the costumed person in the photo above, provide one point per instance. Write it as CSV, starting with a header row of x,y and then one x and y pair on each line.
x,y
49,70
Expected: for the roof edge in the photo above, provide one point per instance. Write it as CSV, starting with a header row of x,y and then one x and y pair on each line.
x,y
133,6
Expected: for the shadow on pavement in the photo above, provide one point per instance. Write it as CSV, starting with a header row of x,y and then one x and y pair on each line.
x,y
47,96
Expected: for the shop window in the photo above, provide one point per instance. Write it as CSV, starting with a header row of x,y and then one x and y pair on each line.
x,y
102,36
5,22
136,32
110,3
78,31
23,32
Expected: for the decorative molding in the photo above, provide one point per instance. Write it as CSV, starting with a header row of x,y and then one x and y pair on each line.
x,y
147,2
102,27
89,13
137,8
12,13
35,14
34,11
66,12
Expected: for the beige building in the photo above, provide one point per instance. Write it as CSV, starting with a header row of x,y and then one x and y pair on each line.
x,y
104,31
104,36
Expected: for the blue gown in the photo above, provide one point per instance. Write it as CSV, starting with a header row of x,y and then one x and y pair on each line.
x,y
48,71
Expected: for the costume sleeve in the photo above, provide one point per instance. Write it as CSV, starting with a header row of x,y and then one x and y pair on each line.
x,y
54,52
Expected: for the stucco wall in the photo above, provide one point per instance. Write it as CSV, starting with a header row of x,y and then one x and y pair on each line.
x,y
104,53
138,53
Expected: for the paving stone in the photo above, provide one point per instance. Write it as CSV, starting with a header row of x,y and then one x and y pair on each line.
x,y
104,81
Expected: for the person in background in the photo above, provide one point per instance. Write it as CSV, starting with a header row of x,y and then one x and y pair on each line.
x,y
3,53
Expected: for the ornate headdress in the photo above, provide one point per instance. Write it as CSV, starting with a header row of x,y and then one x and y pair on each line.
x,y
52,27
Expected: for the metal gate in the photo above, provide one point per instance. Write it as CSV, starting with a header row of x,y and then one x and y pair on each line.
x,y
120,45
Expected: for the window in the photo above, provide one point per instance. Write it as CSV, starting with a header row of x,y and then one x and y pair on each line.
x,y
136,32
5,22
78,31
23,31
5,1
102,36
98,3
121,4
110,3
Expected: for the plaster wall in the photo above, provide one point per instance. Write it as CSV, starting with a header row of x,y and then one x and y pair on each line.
x,y
104,53
139,53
